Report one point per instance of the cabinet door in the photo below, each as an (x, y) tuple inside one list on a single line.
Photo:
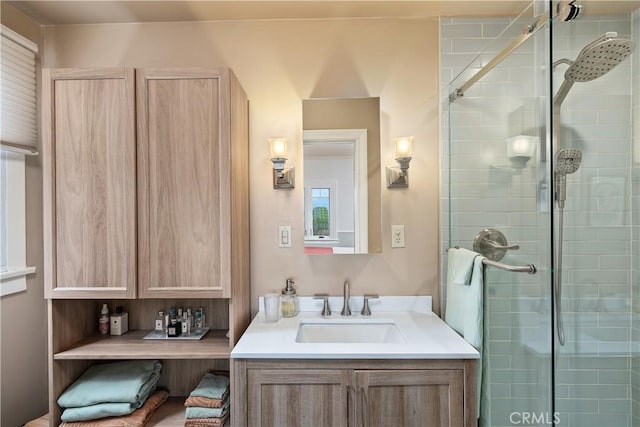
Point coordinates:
[(297, 398), (409, 398), (183, 214), (89, 183)]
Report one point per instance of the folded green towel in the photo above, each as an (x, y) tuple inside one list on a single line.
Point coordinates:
[(199, 412), (211, 386), (102, 410), (116, 382), (94, 412)]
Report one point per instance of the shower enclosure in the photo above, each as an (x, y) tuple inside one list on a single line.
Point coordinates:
[(555, 167)]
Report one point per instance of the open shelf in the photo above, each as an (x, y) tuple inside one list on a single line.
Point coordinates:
[(215, 345), (169, 414)]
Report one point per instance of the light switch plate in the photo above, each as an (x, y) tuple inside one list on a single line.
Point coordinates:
[(284, 236), (397, 236)]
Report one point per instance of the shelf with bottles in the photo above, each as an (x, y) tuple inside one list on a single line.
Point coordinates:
[(77, 321), (214, 345)]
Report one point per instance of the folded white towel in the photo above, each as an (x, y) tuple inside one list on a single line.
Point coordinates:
[(464, 309)]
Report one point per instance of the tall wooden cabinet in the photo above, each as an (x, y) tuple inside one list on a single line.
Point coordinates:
[(89, 155), (146, 206), (192, 197)]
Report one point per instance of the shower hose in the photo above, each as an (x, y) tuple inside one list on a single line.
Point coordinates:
[(558, 278)]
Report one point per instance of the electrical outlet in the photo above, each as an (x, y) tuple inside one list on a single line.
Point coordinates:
[(284, 236), (397, 236)]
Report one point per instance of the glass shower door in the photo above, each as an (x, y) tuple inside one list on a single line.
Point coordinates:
[(497, 177), (509, 148), (596, 379)]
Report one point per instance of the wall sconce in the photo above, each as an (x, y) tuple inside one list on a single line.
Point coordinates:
[(282, 178), (520, 149), (398, 177)]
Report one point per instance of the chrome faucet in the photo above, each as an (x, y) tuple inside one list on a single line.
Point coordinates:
[(346, 311)]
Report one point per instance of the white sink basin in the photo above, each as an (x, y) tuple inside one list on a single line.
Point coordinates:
[(349, 332)]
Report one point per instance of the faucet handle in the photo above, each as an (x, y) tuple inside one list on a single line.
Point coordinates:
[(365, 308), (326, 311)]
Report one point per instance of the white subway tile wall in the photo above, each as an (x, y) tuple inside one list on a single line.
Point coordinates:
[(594, 371)]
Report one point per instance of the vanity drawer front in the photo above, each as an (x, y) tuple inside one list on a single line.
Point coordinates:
[(292, 397), (410, 397)]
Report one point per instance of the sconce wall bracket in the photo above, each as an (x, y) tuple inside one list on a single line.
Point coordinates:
[(397, 178), (284, 178)]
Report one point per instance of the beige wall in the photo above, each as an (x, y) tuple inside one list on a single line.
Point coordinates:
[(23, 319), (280, 63)]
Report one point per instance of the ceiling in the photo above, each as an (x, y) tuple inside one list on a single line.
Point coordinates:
[(70, 12), (86, 12)]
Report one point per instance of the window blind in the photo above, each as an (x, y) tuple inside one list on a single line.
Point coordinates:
[(18, 117)]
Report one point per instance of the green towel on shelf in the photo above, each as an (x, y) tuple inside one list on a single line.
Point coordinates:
[(199, 412), (102, 410), (211, 386), (94, 412), (116, 382)]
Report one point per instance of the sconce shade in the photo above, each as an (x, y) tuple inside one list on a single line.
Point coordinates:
[(278, 148), (402, 146), (520, 149)]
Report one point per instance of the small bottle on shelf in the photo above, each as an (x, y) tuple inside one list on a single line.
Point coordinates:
[(198, 321), (160, 326), (203, 319), (103, 321), (186, 323), (190, 318)]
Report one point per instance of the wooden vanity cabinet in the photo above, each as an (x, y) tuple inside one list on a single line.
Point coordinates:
[(372, 393)]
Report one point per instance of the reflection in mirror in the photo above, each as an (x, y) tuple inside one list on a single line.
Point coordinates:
[(335, 190), (341, 150)]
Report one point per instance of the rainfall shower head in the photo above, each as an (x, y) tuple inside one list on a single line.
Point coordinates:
[(567, 161), (599, 57), (594, 60)]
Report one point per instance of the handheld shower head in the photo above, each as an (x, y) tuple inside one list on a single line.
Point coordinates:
[(567, 161), (599, 57)]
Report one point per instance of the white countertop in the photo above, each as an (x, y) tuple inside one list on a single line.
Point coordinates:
[(426, 335)]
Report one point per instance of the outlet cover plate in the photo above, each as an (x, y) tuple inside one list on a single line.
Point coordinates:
[(397, 236)]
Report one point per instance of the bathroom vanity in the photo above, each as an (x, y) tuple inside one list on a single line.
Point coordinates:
[(400, 366)]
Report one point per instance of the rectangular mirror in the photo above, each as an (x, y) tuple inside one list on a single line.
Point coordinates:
[(341, 150)]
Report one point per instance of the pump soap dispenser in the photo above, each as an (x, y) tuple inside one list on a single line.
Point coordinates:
[(288, 300)]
